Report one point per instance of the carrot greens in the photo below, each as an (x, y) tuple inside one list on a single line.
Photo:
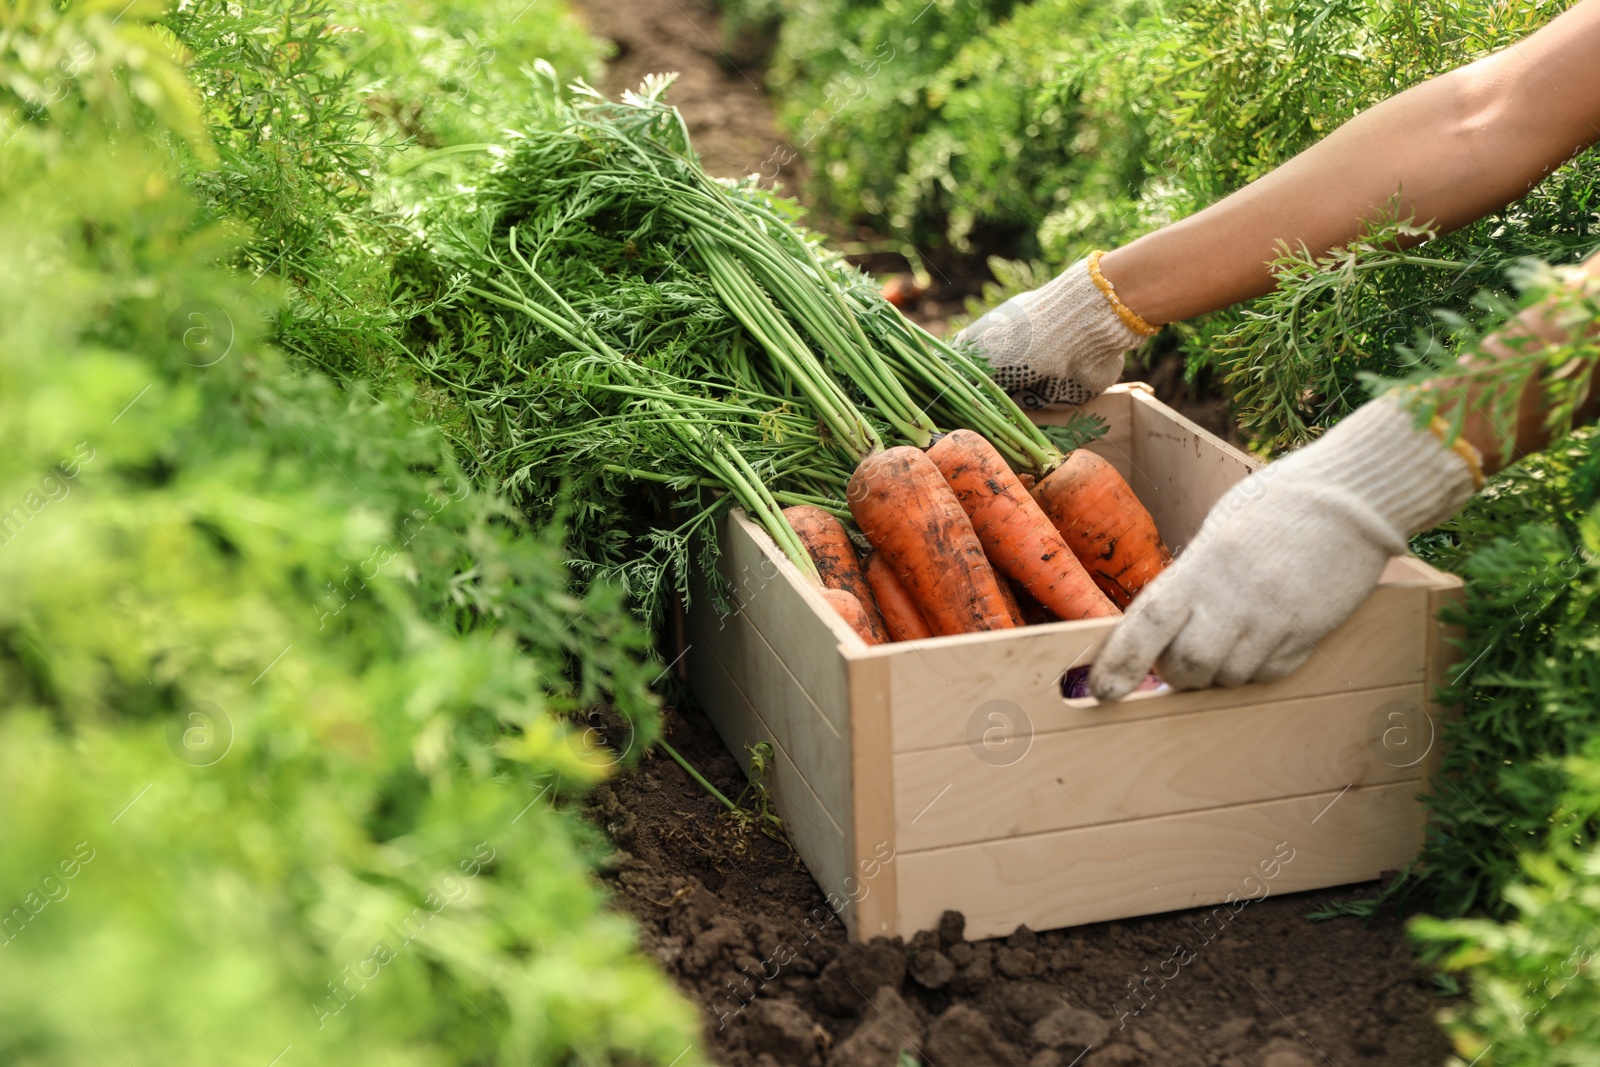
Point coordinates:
[(653, 346)]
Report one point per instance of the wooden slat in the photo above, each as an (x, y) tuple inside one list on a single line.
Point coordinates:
[(1180, 470), (794, 719), (1130, 770), (1114, 405), (1409, 570), (772, 595), (1444, 652), (816, 834), (938, 685), (871, 834), (1178, 861), (846, 721)]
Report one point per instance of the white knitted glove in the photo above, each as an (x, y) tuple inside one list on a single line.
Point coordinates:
[(1062, 343), (1287, 555)]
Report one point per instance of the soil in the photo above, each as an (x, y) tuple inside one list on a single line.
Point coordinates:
[(732, 915), (718, 90), (737, 922)]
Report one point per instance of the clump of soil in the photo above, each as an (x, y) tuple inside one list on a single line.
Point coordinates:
[(742, 928)]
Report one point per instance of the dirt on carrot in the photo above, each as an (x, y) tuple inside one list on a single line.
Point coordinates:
[(830, 548), (901, 615), (901, 502), (1105, 525), (851, 611), (1017, 536)]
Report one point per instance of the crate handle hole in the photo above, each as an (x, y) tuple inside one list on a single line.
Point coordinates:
[(1074, 684)]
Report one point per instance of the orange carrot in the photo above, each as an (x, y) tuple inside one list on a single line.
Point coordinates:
[(903, 505), (1107, 528), (838, 565), (851, 611), (1020, 540), (900, 614)]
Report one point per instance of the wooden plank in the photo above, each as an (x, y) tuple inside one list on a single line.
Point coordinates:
[(1409, 570), (1178, 861), (871, 833), (1179, 469), (939, 686), (806, 633), (1131, 770), (795, 720), (816, 835)]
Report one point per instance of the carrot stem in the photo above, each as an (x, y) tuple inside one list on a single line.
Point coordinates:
[(697, 776)]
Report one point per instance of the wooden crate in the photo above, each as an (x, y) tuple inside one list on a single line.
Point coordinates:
[(952, 773)]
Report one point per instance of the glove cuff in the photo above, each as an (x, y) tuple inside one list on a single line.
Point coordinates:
[(1074, 301), (1130, 318), (1404, 474), (1063, 342), (1072, 313)]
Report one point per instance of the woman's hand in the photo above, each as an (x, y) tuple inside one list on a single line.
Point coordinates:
[(1062, 343), (1287, 555)]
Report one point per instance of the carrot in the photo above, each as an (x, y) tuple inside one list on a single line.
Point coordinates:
[(1107, 528), (1009, 594), (901, 502), (1020, 540), (851, 611), (901, 616), (838, 565), (902, 290)]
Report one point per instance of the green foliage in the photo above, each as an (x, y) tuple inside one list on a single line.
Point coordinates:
[(286, 699), (993, 156), (858, 86), (453, 74), (1535, 987), (1285, 75), (1496, 360), (331, 122), (1524, 695), (621, 330), (1065, 126)]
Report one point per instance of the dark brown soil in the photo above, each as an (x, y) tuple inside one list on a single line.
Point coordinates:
[(736, 920), (730, 119), (744, 931)]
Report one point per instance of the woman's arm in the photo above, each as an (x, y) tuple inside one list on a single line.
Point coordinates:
[(1454, 148)]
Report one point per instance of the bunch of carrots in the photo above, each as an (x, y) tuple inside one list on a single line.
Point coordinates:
[(961, 543), (659, 346)]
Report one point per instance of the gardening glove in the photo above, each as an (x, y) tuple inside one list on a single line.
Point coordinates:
[(1288, 554), (1061, 343)]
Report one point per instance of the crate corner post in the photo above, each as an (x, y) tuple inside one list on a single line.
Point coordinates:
[(872, 844)]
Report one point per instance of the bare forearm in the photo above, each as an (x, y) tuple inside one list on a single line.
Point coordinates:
[(1453, 148)]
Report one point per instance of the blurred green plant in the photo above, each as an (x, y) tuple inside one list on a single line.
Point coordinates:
[(857, 87), (1535, 987), (287, 701), (1523, 695)]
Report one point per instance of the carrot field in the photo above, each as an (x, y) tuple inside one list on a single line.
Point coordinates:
[(380, 379)]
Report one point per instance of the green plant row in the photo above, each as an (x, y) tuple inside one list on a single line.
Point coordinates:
[(289, 705)]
